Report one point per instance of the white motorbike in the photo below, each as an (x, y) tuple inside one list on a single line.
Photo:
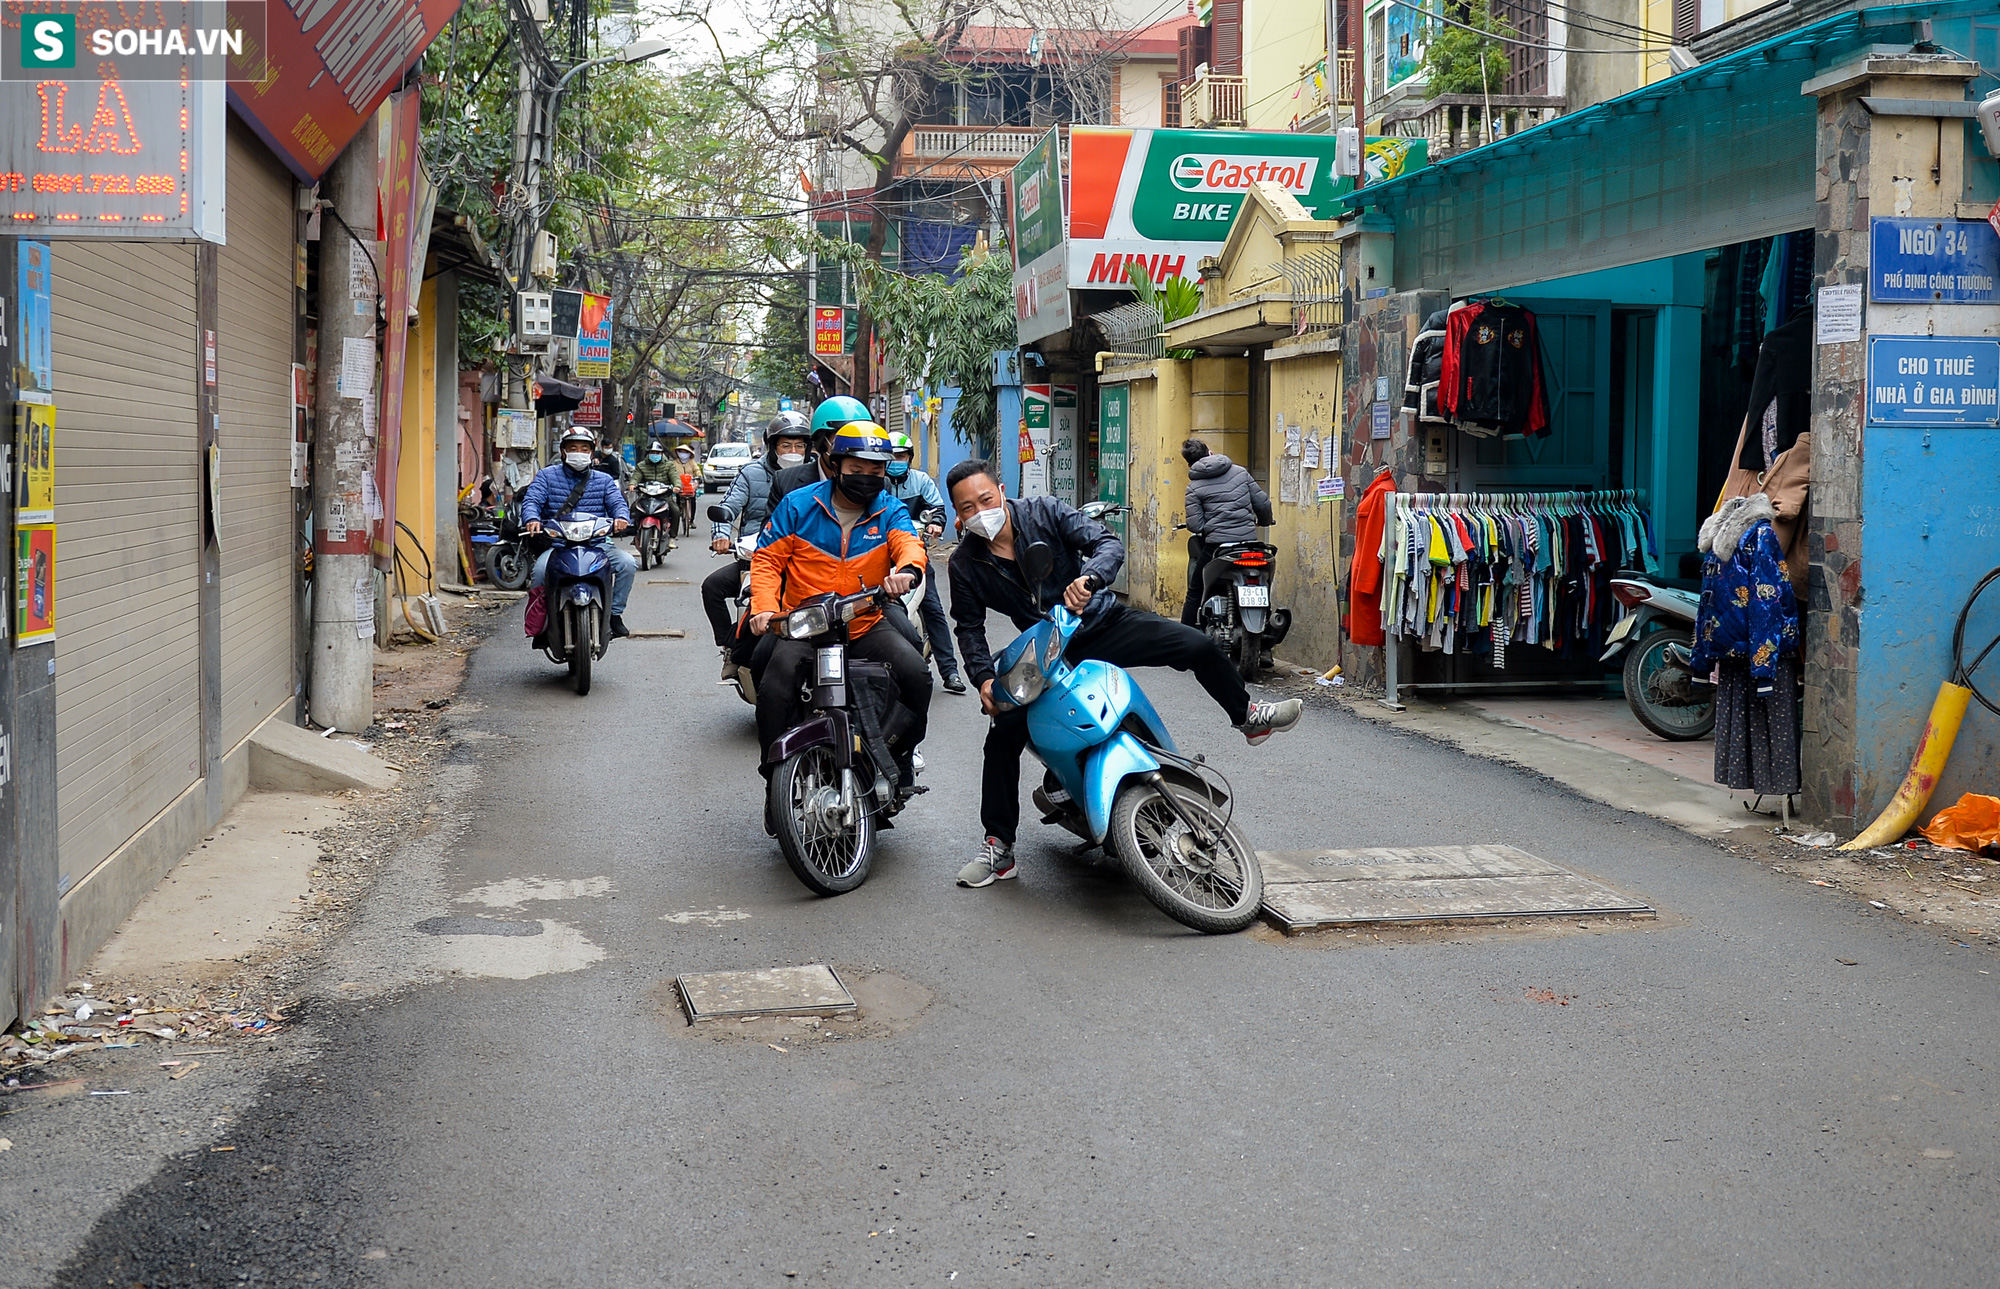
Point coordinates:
[(1657, 636)]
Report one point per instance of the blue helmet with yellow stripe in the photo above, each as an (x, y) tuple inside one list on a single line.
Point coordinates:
[(862, 440)]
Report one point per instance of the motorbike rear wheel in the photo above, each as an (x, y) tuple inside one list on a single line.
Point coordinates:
[(830, 856), (1249, 652), (1215, 892), (508, 566), (580, 637), (1647, 678)]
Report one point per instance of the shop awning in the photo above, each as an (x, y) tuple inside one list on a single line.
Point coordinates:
[(1720, 153)]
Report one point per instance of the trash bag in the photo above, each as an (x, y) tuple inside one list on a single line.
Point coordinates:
[(1972, 823), (537, 615)]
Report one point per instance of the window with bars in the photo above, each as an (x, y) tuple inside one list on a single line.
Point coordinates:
[(1527, 63)]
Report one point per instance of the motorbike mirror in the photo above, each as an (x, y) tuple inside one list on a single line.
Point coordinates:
[(718, 515), (1037, 561)]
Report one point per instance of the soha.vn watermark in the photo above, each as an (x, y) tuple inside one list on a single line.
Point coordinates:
[(132, 40)]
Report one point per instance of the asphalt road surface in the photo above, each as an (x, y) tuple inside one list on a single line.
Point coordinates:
[(1055, 1084)]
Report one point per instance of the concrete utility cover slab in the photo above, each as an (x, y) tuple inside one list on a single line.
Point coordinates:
[(775, 991), (1304, 889)]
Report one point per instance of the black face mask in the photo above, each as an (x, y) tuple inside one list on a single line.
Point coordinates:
[(861, 489)]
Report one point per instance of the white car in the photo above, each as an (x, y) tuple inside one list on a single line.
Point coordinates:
[(719, 471)]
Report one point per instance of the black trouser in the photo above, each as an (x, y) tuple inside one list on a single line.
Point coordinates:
[(936, 626), (792, 663), (1197, 558), (1131, 638), (718, 599)]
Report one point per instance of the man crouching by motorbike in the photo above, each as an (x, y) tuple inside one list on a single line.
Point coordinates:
[(840, 535)]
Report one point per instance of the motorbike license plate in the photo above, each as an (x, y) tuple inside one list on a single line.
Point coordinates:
[(1254, 597), (832, 664), (1621, 630)]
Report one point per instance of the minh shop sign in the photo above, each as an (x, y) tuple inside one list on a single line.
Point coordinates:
[(1165, 198)]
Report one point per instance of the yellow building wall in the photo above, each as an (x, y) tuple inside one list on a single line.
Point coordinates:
[(1311, 577), (1155, 564), (416, 468), (1279, 37)]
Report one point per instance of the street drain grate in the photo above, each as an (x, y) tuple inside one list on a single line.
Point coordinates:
[(476, 926), (1306, 889), (774, 991)]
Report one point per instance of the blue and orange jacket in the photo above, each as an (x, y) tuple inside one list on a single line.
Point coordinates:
[(800, 553)]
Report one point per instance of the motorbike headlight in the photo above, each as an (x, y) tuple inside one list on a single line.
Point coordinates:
[(1024, 682), (804, 624), (579, 530)]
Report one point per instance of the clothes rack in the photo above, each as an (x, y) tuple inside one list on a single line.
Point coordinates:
[(1484, 572)]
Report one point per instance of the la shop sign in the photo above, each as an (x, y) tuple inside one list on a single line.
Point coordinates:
[(128, 160)]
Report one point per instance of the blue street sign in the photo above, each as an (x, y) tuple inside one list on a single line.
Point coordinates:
[(1933, 380), (1933, 261), (784, 404)]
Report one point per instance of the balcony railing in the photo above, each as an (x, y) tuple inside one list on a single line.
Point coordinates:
[(972, 142), (1313, 77), (1213, 102), (1460, 122)]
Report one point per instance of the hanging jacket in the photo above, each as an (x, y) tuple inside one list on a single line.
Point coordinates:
[(1364, 572), (1491, 373), (1420, 387), (1224, 503), (1747, 608)]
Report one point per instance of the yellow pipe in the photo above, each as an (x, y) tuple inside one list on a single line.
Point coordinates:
[(1933, 750)]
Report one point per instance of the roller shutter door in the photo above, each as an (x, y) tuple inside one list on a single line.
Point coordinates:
[(128, 556), (254, 357)]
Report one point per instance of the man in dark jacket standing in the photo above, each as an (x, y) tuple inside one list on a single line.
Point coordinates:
[(986, 574), (1224, 505)]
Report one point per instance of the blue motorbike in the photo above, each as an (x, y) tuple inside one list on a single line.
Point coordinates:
[(1116, 780), (577, 596)]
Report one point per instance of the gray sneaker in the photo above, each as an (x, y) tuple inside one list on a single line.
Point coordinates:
[(1266, 719), (728, 667), (995, 864)]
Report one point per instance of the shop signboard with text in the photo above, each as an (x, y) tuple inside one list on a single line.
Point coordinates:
[(593, 337), (1163, 199), (1114, 408), (1041, 293), (829, 331)]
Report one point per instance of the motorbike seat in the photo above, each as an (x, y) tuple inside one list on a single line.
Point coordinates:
[(1675, 583)]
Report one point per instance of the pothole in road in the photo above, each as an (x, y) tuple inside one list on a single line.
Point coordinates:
[(477, 926), (884, 1005)]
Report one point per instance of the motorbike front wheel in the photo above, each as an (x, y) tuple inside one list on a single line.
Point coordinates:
[(645, 548), (828, 853), (508, 566), (1662, 695), (1214, 890), (580, 637)]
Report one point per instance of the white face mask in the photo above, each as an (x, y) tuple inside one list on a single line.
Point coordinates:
[(791, 458), (576, 460), (988, 523)]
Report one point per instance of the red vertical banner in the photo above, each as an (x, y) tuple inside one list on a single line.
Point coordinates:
[(398, 201)]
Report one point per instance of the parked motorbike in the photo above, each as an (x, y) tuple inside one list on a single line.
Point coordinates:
[(1657, 637), (498, 545), (834, 777), (1238, 615), (1116, 780), (655, 512), (576, 596)]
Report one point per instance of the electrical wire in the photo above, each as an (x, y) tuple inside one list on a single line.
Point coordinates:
[(1509, 40), (1961, 674)]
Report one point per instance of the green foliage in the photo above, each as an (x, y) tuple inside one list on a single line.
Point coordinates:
[(1178, 299), (1457, 61), (939, 331)]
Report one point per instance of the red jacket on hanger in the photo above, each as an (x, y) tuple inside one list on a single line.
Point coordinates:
[(1364, 572)]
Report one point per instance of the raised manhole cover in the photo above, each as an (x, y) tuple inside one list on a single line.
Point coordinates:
[(773, 991), (476, 926), (1305, 889)]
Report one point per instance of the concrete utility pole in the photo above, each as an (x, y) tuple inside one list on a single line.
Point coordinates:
[(343, 657)]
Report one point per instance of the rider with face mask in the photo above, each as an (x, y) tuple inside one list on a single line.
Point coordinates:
[(830, 415), (840, 535), (747, 504), (919, 492), (575, 487)]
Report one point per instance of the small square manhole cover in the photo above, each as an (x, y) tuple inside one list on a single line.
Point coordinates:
[(1304, 889), (774, 991)]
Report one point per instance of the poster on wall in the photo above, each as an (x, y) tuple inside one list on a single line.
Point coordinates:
[(593, 338), (514, 427), (829, 331), (35, 463), (1037, 418), (34, 365), (590, 412), (34, 583), (300, 402), (1114, 406), (1062, 445)]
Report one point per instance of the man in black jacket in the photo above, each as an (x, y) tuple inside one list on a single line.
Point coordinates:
[(985, 575)]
